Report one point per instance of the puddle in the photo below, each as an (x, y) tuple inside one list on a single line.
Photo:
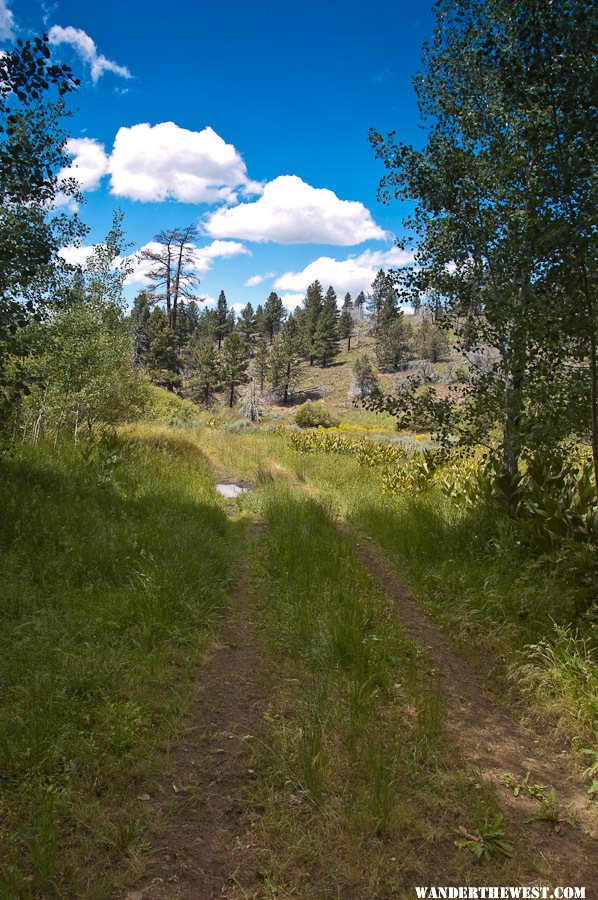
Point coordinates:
[(230, 491)]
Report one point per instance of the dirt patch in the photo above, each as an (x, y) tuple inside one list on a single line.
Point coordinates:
[(201, 806), (489, 736)]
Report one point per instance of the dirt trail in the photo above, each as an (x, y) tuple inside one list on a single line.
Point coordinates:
[(200, 810), (489, 736)]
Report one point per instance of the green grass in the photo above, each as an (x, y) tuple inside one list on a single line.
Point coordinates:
[(115, 565), (361, 790), (517, 613)]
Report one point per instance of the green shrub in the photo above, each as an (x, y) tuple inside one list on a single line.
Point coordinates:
[(315, 415), (166, 408)]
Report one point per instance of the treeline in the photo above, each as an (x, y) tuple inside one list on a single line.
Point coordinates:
[(210, 354)]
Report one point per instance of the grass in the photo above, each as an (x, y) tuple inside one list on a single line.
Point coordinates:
[(361, 791), (499, 602), (107, 606)]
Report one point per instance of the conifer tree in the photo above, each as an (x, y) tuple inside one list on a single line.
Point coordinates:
[(247, 328), (364, 382), (233, 365), (222, 321), (162, 353), (205, 376), (274, 313), (360, 304), (348, 302), (261, 362), (285, 359), (326, 337), (346, 326), (308, 319)]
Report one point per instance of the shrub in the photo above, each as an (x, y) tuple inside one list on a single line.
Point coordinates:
[(315, 415)]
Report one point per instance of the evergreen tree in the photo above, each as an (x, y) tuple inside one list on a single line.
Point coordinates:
[(393, 343), (326, 337), (204, 380), (285, 359), (274, 313), (308, 317), (431, 340), (222, 321), (186, 322), (137, 327), (360, 304), (247, 328), (348, 302), (261, 363), (364, 382), (162, 356), (233, 365), (382, 296), (346, 326)]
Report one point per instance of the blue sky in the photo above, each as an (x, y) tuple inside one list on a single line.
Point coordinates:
[(249, 120)]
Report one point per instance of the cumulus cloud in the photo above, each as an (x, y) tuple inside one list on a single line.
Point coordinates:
[(203, 258), (76, 256), (89, 163), (354, 274), (7, 22), (165, 161), (85, 47), (258, 279), (291, 301), (293, 212)]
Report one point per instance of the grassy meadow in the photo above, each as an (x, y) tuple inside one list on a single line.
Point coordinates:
[(107, 609)]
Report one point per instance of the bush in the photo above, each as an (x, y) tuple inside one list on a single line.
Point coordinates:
[(167, 408), (315, 415)]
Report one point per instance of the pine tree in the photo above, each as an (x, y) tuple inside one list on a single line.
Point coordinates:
[(285, 359), (233, 365), (222, 323), (346, 326), (274, 313), (360, 304), (308, 317), (162, 353), (431, 340), (261, 362), (364, 382), (348, 302), (247, 328), (326, 338), (205, 373), (137, 327), (383, 295), (393, 343)]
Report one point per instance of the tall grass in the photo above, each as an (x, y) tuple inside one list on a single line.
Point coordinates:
[(498, 600), (115, 564), (364, 793)]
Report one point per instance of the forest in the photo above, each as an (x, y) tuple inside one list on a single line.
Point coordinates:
[(375, 668)]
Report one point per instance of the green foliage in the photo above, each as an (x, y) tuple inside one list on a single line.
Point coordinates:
[(107, 609), (315, 415), (31, 232), (504, 216), (364, 382), (233, 365), (165, 408)]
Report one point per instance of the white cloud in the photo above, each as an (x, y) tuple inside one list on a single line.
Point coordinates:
[(293, 212), (203, 258), (165, 161), (76, 256), (89, 163), (258, 279), (292, 301), (354, 274), (87, 50), (7, 22)]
